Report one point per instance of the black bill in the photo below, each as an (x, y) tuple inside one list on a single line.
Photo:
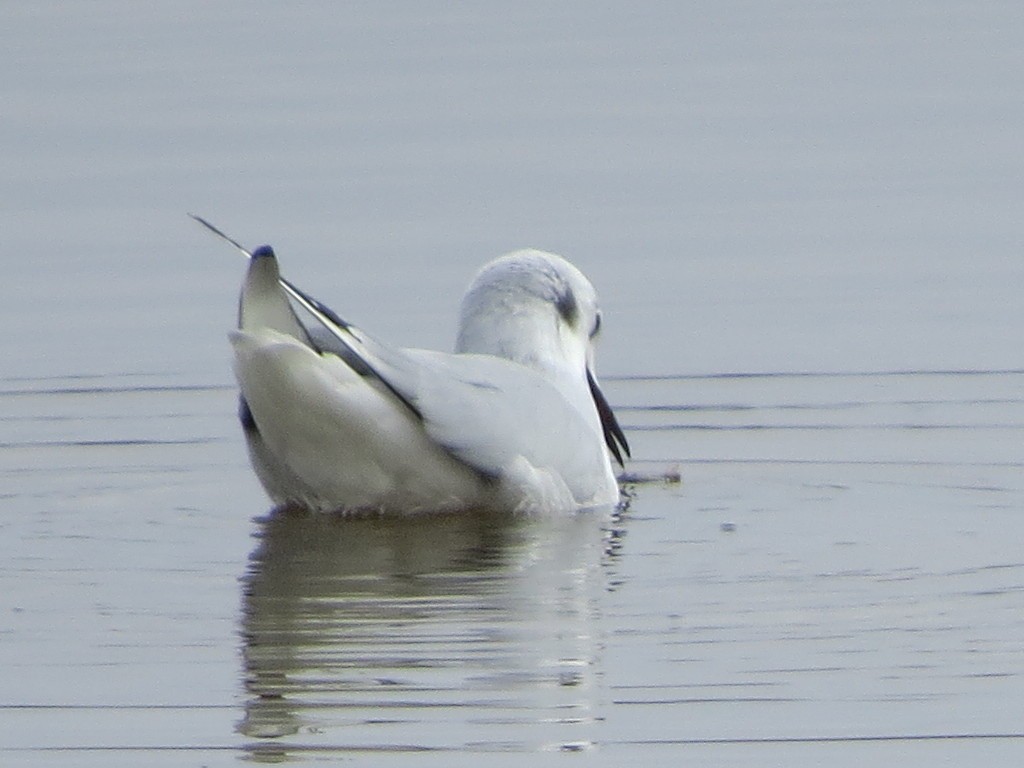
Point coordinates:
[(613, 435)]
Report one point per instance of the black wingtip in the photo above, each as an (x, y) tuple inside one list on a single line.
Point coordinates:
[(220, 234), (263, 252), (246, 417)]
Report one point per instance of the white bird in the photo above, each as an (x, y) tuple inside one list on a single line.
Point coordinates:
[(514, 419)]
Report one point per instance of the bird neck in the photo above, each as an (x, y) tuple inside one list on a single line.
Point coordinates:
[(533, 339)]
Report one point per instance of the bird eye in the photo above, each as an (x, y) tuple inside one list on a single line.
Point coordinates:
[(597, 325)]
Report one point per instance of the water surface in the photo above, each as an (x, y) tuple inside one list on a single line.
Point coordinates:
[(836, 575)]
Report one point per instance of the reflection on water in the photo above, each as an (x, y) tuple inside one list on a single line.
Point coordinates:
[(460, 630), (838, 571)]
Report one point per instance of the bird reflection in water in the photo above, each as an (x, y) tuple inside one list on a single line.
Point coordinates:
[(436, 631)]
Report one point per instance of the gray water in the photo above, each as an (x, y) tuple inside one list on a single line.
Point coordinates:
[(804, 222)]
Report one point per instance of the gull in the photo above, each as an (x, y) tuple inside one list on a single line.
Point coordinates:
[(514, 419)]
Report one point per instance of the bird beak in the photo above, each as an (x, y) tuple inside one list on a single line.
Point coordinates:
[(613, 435)]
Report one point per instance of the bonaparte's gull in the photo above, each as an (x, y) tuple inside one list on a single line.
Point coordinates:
[(514, 419)]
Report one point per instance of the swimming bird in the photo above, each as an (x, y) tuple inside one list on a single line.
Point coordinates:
[(513, 420)]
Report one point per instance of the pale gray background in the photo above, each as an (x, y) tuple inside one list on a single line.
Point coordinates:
[(827, 188)]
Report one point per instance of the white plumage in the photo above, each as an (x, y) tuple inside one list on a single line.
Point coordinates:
[(514, 419)]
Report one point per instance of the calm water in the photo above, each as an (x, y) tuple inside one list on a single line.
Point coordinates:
[(805, 224), (838, 575)]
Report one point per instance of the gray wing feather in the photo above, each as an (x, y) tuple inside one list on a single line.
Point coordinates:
[(485, 411)]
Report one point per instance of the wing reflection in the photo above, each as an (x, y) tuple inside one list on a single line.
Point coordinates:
[(435, 632)]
